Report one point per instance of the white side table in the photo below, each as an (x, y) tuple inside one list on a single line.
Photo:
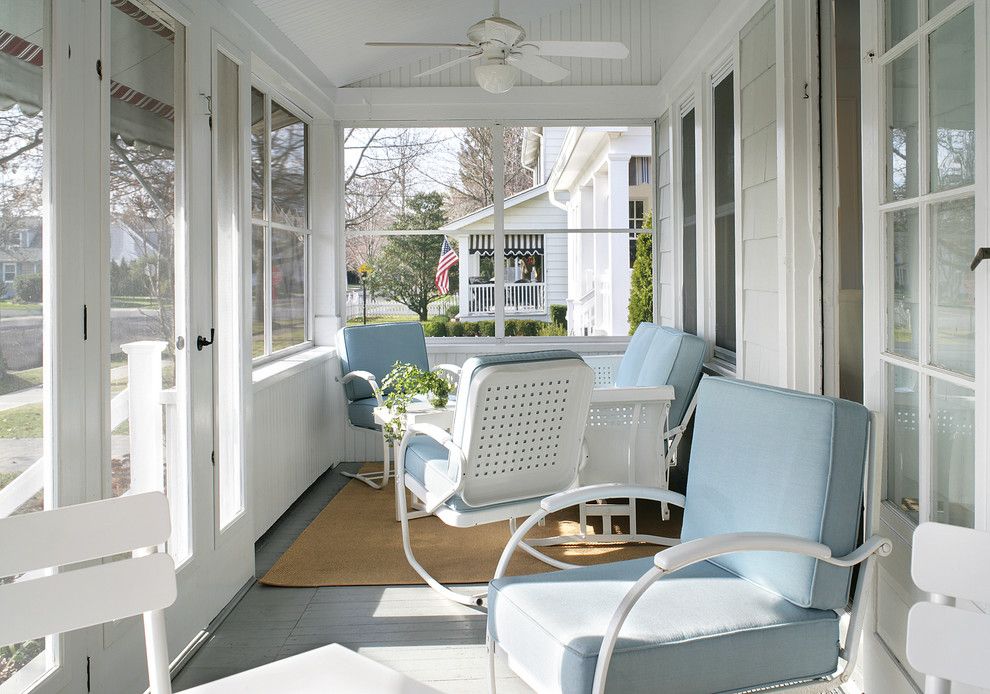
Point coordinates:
[(416, 413)]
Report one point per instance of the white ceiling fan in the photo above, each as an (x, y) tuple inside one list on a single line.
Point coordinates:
[(501, 50)]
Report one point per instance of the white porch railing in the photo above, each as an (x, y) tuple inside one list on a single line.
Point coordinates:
[(152, 436), (380, 308), (520, 297)]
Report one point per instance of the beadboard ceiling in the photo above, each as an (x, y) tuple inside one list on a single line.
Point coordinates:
[(331, 33)]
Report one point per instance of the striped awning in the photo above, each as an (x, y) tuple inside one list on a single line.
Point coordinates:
[(516, 245)]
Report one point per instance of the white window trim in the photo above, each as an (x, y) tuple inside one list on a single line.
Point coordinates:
[(272, 93)]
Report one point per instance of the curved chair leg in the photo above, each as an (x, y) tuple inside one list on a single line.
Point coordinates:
[(376, 480), (490, 647), (476, 600)]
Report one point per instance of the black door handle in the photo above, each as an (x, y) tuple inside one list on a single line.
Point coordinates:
[(202, 342), (981, 255)]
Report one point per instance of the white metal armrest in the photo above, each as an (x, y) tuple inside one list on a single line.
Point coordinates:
[(450, 368), (438, 434), (634, 394), (612, 490), (694, 551), (368, 377), (688, 553)]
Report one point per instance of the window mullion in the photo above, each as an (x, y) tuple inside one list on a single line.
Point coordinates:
[(268, 225)]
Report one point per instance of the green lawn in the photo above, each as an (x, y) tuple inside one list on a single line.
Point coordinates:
[(24, 422), (383, 319), (13, 381), (133, 302), (18, 307)]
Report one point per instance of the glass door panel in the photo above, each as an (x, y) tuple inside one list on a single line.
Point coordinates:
[(147, 439), (952, 103), (953, 452), (953, 311), (903, 308), (25, 473), (902, 126)]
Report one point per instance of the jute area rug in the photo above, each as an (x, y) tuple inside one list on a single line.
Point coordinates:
[(356, 541)]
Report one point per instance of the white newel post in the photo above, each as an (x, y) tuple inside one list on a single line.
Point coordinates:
[(144, 386)]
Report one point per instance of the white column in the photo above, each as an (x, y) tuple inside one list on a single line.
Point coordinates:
[(618, 244), (144, 390), (325, 246), (465, 271)]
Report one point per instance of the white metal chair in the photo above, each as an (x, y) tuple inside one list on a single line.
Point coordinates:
[(752, 598), (944, 641), (367, 353), (40, 602), (640, 409), (517, 437)]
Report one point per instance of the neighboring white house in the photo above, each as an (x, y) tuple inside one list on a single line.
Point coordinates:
[(586, 178)]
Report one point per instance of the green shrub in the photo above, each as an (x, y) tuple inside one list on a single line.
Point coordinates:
[(435, 328), (641, 283), (455, 329), (453, 311), (558, 314), (528, 328), (442, 318), (510, 327), (486, 328), (470, 329), (27, 288), (552, 330)]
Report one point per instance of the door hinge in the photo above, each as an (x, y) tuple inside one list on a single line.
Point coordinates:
[(99, 69), (87, 675), (213, 458), (209, 107), (85, 323)]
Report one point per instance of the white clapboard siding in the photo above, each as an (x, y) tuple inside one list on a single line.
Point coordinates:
[(295, 436), (663, 239), (757, 84), (636, 23)]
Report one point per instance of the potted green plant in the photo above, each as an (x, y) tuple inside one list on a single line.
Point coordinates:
[(402, 384)]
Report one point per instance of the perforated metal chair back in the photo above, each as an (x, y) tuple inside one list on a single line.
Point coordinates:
[(520, 422)]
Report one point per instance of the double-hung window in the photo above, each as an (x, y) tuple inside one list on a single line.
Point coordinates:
[(280, 302)]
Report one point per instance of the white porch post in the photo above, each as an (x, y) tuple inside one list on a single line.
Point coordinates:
[(144, 387), (466, 271), (600, 257), (618, 244)]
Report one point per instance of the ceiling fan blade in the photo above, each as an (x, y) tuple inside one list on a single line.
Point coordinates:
[(448, 64), (538, 67), (582, 49), (401, 44)]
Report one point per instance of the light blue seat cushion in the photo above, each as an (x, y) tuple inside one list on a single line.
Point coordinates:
[(765, 459), (361, 413), (659, 356), (376, 348), (428, 463), (697, 631)]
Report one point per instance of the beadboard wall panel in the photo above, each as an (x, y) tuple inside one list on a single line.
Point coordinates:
[(295, 437)]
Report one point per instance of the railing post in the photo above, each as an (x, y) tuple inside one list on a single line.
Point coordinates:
[(144, 385)]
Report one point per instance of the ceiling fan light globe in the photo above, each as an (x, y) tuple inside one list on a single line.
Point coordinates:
[(496, 77)]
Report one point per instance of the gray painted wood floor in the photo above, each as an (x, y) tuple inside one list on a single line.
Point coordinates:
[(409, 628)]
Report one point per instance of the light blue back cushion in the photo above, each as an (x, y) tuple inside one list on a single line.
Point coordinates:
[(770, 460), (674, 358), (376, 348), (632, 361)]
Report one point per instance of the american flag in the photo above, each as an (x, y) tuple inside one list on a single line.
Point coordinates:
[(448, 259)]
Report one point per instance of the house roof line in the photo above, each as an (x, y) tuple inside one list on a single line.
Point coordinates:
[(488, 211)]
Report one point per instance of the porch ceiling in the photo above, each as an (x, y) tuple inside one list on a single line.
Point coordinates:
[(332, 34)]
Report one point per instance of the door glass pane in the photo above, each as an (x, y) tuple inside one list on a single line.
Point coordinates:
[(952, 103), (953, 452), (257, 290), (902, 440), (257, 154), (146, 451), (901, 79), (953, 321), (226, 119), (725, 221), (288, 163), (936, 6), (904, 310), (23, 469), (288, 283), (901, 19), (689, 231)]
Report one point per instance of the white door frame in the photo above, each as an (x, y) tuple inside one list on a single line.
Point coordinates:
[(884, 669)]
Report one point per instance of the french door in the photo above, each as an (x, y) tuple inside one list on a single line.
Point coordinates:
[(925, 120)]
